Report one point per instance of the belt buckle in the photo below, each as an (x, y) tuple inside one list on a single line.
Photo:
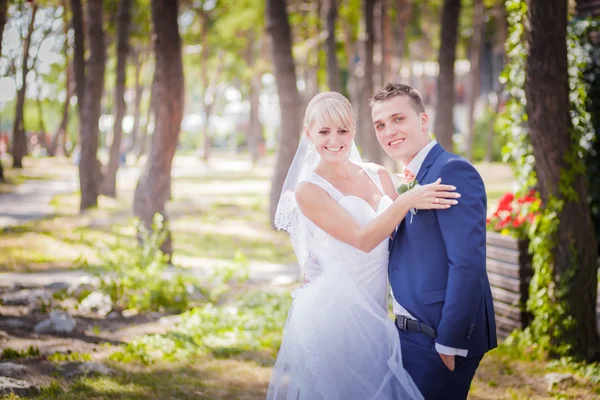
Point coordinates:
[(404, 323)]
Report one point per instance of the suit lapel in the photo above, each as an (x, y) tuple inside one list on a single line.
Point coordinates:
[(433, 154)]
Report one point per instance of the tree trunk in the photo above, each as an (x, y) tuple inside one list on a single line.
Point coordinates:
[(575, 255), (444, 121), (123, 27), (43, 131), (59, 141), (3, 9), (351, 50), (387, 52), (371, 149), (334, 80), (151, 113), (499, 58), (206, 130), (279, 30), (154, 187), (89, 171), (58, 145), (403, 15), (476, 49), (19, 145), (139, 92), (255, 136), (79, 55)]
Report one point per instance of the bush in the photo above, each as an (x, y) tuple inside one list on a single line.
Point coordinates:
[(134, 278), (255, 322)]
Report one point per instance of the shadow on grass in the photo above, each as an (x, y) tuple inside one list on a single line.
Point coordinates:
[(200, 378)]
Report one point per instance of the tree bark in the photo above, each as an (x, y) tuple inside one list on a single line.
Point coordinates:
[(19, 145), (444, 121), (123, 28), (59, 140), (334, 80), (403, 15), (139, 92), (43, 131), (151, 113), (476, 49), (3, 10), (154, 187), (387, 52), (279, 30), (371, 149), (78, 54), (255, 136), (575, 255), (351, 50), (89, 168)]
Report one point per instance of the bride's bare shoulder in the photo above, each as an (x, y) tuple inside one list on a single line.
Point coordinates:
[(387, 179), (309, 194)]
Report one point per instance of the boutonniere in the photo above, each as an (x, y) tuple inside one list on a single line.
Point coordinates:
[(405, 187)]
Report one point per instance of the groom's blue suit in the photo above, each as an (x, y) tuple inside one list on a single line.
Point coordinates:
[(437, 273)]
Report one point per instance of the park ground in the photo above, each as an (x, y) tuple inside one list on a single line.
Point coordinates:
[(223, 240)]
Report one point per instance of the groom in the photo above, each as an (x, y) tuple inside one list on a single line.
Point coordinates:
[(442, 297)]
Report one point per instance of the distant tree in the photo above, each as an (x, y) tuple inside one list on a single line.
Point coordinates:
[(334, 79), (19, 141), (279, 30), (3, 9), (123, 29), (475, 73), (444, 121), (154, 186), (371, 149), (90, 176), (59, 140)]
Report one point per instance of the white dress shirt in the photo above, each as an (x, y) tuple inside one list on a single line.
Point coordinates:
[(414, 166)]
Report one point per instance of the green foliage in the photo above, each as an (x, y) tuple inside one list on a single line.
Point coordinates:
[(487, 121), (255, 322), (12, 354), (69, 356), (552, 325), (135, 278)]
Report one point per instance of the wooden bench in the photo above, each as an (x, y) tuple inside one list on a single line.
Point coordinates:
[(509, 271)]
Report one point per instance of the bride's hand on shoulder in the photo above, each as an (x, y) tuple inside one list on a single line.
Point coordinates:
[(433, 196)]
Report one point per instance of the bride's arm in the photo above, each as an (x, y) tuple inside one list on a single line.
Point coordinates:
[(323, 211)]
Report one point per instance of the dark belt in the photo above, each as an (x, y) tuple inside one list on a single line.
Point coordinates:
[(411, 325)]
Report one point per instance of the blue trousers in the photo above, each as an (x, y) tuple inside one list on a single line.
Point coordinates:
[(430, 374)]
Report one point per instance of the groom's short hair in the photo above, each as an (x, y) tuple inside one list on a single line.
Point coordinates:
[(392, 90)]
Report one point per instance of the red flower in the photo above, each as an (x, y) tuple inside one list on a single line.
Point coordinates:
[(518, 221), (506, 200)]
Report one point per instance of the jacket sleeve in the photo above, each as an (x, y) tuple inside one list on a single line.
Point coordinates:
[(464, 234)]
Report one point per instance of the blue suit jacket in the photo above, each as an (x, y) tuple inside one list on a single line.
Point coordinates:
[(437, 262)]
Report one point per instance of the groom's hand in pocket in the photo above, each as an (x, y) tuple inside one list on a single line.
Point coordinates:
[(448, 361)]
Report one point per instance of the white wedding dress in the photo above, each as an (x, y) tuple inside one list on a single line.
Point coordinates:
[(339, 342)]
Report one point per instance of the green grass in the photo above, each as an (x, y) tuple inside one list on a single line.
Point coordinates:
[(11, 354), (199, 378)]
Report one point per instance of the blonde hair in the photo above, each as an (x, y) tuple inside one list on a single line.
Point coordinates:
[(329, 106)]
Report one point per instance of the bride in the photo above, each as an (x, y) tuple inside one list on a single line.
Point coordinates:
[(338, 342)]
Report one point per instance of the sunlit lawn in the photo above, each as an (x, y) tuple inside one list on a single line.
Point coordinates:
[(218, 215)]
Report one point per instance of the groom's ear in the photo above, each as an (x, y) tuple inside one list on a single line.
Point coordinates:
[(424, 121)]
